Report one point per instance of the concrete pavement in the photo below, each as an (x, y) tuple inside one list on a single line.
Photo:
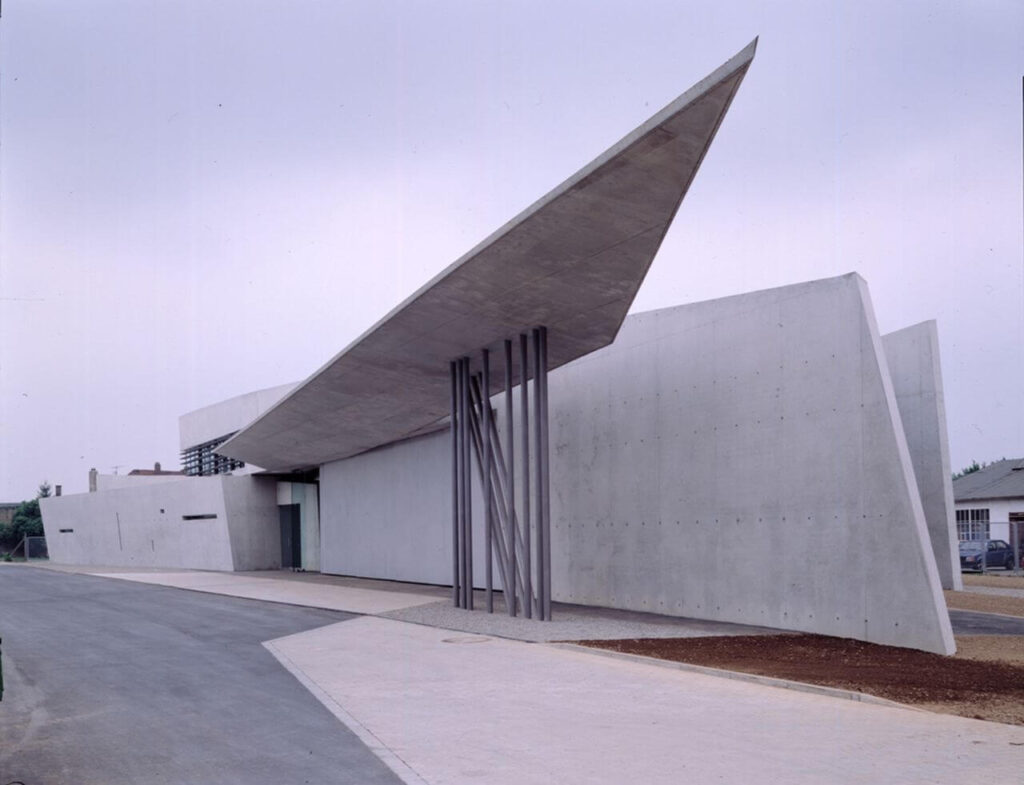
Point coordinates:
[(443, 706), (458, 708), (315, 595)]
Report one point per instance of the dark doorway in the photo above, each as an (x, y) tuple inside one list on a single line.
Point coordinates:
[(291, 537)]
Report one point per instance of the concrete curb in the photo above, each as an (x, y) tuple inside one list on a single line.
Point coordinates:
[(386, 755), (753, 678)]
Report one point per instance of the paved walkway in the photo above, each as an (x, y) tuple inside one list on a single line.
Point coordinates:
[(444, 706), (292, 592), (457, 708)]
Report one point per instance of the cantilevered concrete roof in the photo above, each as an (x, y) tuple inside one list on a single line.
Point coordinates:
[(573, 262)]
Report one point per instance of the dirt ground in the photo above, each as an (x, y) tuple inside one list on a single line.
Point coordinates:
[(984, 680), (996, 580)]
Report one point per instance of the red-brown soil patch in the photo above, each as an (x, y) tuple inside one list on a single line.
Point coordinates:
[(986, 683)]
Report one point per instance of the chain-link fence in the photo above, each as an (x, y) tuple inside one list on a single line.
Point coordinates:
[(30, 548)]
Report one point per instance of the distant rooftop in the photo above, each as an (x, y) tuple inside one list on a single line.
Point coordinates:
[(1000, 480)]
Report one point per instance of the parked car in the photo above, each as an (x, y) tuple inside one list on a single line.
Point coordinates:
[(985, 554)]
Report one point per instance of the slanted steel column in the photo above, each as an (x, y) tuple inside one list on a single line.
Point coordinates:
[(544, 517), (456, 506), (485, 396), (524, 429), (510, 502)]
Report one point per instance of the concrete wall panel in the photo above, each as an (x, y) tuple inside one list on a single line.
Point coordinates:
[(913, 358), (224, 417), (253, 522), (145, 525), (387, 513), (743, 460), (142, 526)]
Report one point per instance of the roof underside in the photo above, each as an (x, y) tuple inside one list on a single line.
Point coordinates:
[(572, 262)]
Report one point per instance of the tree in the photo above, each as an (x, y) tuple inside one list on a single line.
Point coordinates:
[(974, 467), (27, 520)]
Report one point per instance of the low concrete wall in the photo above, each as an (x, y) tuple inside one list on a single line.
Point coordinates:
[(141, 526), (913, 357), (155, 525)]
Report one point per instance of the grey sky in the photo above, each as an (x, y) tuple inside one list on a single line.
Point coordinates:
[(202, 198)]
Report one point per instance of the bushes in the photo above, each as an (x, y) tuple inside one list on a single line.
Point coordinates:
[(27, 521)]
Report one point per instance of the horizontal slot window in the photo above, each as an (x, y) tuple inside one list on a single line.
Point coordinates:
[(204, 517)]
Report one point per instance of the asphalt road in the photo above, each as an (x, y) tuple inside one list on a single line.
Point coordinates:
[(113, 682), (975, 623)]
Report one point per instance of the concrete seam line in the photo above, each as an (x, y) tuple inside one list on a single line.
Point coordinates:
[(386, 755), (753, 678)]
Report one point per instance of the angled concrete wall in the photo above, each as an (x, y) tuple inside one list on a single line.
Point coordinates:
[(741, 459), (152, 525), (913, 357), (254, 528)]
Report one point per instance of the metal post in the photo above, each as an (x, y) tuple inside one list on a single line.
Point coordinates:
[(455, 484), (524, 429), (485, 362), (463, 474), (510, 503), (537, 419), (462, 487), (1015, 533), (544, 518), (468, 490)]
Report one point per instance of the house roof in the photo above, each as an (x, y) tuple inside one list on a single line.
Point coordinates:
[(571, 262), (1000, 480)]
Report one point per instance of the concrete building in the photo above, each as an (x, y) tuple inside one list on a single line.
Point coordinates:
[(507, 428)]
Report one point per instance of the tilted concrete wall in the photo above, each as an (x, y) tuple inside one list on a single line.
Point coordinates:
[(254, 526), (144, 526), (741, 459), (913, 357)]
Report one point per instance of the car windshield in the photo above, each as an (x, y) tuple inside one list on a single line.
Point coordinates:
[(968, 545)]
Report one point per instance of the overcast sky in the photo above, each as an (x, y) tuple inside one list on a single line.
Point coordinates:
[(203, 198)]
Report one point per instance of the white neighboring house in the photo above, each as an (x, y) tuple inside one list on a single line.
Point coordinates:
[(989, 500)]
